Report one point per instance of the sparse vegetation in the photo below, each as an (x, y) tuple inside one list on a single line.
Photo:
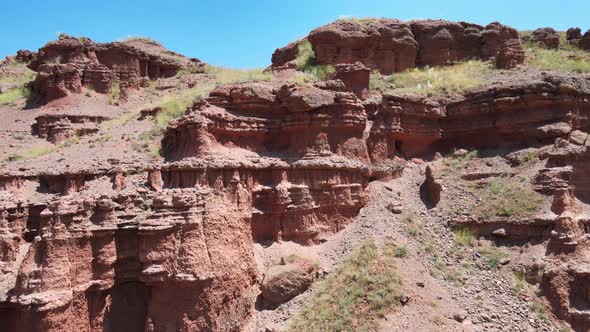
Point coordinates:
[(225, 75), (42, 149), (360, 291), (492, 256), (568, 58), (464, 237), (538, 308), (443, 80), (115, 94), (306, 62), (454, 164), (429, 247), (526, 158), (507, 197), (401, 251), (518, 284)]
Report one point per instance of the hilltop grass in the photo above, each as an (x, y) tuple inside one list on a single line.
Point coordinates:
[(362, 290), (442, 80)]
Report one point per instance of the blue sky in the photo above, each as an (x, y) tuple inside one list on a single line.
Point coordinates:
[(245, 33)]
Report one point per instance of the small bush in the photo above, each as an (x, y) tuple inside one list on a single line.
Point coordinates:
[(401, 251), (518, 283), (464, 237), (306, 62), (429, 247), (443, 80), (526, 158), (538, 308), (362, 289)]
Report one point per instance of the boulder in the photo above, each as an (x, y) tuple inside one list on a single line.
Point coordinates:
[(573, 34), (584, 42), (283, 282), (547, 37)]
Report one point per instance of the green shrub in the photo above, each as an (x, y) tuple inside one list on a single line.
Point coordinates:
[(464, 237), (306, 62), (401, 251), (362, 289), (17, 81)]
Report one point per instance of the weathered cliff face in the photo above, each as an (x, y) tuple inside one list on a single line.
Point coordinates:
[(299, 150), (115, 247), (101, 262), (389, 45), (526, 112), (66, 65)]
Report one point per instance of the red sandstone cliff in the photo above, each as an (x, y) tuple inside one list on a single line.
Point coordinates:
[(136, 245)]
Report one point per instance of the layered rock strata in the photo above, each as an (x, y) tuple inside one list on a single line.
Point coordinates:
[(66, 65), (389, 45), (112, 247)]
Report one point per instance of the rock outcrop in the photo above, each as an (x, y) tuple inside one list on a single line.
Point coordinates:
[(547, 37), (66, 65), (389, 45), (584, 42), (57, 128), (573, 34)]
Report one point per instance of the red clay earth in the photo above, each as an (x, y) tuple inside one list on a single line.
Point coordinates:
[(98, 234)]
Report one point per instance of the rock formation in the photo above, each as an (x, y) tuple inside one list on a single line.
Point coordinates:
[(584, 42), (573, 34), (547, 37), (66, 65), (389, 46), (168, 244)]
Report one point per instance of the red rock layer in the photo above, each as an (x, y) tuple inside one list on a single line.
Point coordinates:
[(68, 64), (524, 113), (171, 248), (57, 128), (390, 45), (300, 149)]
